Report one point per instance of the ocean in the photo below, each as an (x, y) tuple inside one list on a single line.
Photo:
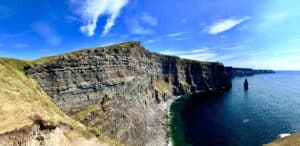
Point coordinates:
[(270, 107)]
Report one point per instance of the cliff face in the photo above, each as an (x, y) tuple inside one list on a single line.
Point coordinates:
[(29, 117), (123, 90), (240, 72)]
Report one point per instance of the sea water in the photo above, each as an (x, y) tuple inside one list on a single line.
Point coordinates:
[(270, 108)]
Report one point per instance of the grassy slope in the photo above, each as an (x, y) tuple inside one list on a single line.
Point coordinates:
[(293, 140), (22, 98)]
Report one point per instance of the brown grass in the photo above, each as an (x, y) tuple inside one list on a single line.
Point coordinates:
[(86, 112), (22, 98), (162, 86), (293, 140)]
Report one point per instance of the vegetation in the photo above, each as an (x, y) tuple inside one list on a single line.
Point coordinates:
[(16, 63), (292, 140), (44, 60), (162, 86), (126, 44), (85, 113), (22, 99), (196, 61)]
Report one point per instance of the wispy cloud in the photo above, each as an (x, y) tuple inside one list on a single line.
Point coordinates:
[(47, 32), (197, 54), (224, 25), (203, 54), (21, 45), (146, 18), (152, 40), (136, 27), (179, 36), (90, 11), (142, 25)]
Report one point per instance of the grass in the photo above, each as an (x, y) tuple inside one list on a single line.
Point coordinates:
[(126, 44), (86, 112), (44, 60), (16, 63), (196, 61), (162, 86), (293, 140), (22, 99)]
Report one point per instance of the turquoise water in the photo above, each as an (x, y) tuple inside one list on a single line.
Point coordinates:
[(270, 107)]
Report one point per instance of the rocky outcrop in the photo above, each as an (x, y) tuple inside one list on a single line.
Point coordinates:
[(240, 72), (123, 90), (38, 134), (44, 133)]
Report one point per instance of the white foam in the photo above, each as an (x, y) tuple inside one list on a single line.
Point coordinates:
[(282, 135)]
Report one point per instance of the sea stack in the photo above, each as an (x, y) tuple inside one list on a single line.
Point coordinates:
[(246, 84)]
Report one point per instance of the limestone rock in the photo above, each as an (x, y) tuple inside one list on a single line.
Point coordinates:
[(128, 87)]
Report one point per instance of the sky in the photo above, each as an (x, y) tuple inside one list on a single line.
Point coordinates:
[(261, 34)]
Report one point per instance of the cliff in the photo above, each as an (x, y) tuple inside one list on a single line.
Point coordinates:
[(124, 90), (240, 72), (29, 117)]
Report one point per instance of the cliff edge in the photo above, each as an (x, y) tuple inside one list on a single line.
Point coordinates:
[(123, 90), (29, 117)]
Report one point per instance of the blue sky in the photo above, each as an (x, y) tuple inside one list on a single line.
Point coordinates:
[(248, 33)]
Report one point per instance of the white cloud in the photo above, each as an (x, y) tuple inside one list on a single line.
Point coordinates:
[(182, 38), (203, 54), (198, 54), (136, 27), (21, 45), (142, 25), (90, 10), (146, 18), (225, 25), (47, 32), (177, 34), (152, 40)]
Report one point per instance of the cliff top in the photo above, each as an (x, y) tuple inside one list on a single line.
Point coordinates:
[(127, 47)]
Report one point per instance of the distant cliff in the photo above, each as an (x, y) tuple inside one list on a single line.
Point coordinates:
[(239, 72), (124, 90)]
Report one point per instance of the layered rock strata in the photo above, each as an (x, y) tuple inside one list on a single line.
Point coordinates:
[(123, 90)]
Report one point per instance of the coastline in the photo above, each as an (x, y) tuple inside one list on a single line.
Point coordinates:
[(175, 135), (175, 131)]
